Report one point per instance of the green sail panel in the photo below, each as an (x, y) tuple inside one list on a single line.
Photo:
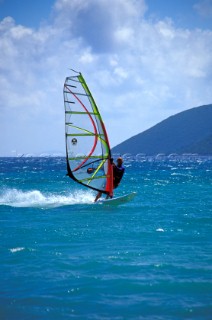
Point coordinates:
[(87, 146)]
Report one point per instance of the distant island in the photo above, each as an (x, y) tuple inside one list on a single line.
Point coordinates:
[(189, 131)]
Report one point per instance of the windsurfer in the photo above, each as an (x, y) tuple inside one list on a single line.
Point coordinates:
[(118, 172)]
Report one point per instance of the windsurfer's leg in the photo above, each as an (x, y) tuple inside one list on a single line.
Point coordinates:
[(99, 194), (109, 197)]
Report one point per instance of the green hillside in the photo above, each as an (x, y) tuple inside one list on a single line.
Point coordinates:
[(189, 131)]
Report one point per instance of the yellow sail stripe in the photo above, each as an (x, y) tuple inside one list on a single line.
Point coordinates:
[(97, 169)]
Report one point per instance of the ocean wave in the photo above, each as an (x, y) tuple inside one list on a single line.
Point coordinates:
[(35, 198)]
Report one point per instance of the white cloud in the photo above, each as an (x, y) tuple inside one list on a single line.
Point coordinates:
[(121, 73), (98, 22), (124, 35), (87, 57), (139, 71)]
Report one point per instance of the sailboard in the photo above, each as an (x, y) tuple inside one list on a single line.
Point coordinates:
[(119, 200), (88, 151)]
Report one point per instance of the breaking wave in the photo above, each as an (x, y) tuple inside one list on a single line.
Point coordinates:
[(35, 198)]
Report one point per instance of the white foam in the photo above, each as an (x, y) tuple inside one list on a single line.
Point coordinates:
[(160, 230), (35, 198), (13, 250)]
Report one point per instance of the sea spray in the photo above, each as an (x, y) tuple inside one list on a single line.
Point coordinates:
[(35, 198)]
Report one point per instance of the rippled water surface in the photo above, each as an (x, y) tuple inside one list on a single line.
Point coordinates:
[(62, 256)]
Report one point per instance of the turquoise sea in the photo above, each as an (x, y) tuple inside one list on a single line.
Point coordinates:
[(64, 257)]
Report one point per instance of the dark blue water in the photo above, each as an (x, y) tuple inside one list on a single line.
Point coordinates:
[(62, 256)]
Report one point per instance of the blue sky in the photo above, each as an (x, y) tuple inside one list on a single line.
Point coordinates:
[(27, 12), (144, 60)]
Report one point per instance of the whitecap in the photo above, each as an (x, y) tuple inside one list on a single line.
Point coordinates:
[(35, 198), (13, 250), (160, 230)]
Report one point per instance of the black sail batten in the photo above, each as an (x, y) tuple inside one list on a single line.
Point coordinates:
[(70, 174)]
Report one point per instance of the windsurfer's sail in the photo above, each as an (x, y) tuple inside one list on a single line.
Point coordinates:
[(87, 146)]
